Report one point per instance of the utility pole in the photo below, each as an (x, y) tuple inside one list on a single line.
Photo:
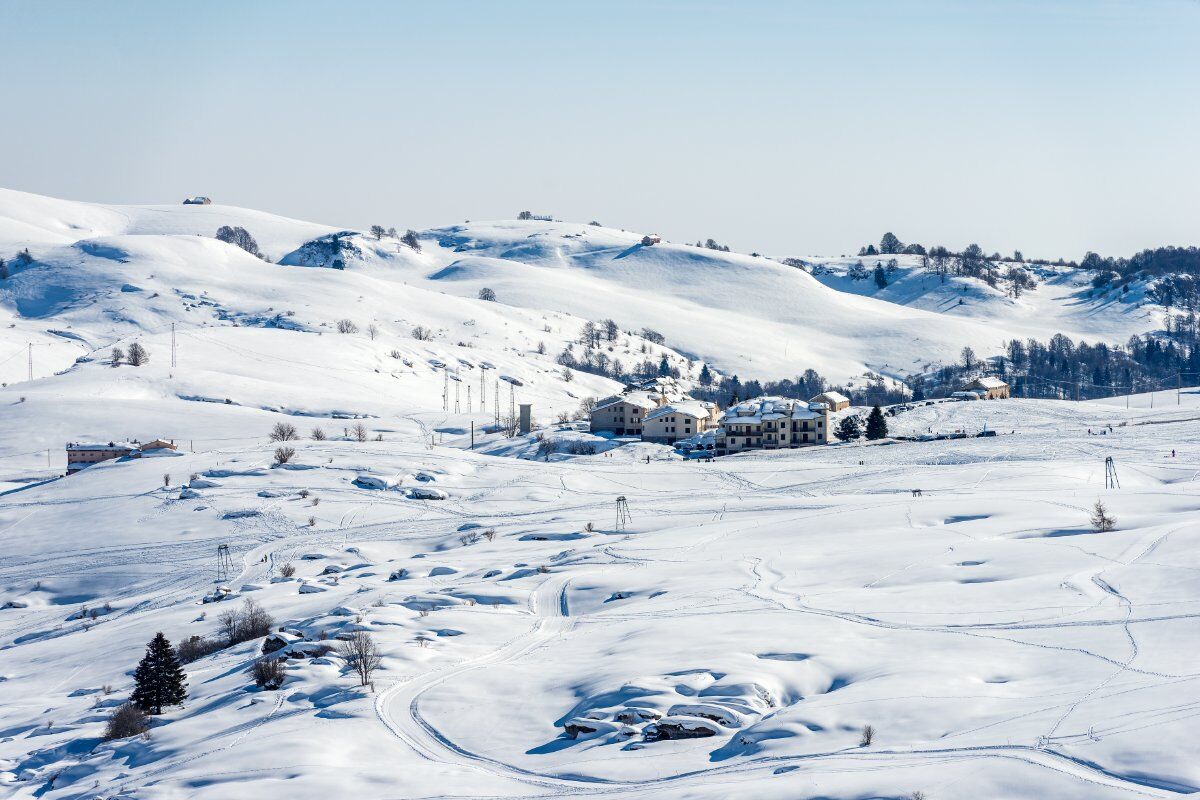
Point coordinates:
[(457, 389), (172, 345), (496, 405), (445, 389), (468, 399), (472, 436), (31, 361)]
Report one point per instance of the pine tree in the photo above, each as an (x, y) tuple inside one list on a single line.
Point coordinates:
[(1101, 521), (848, 429), (3, 270), (159, 679), (876, 424), (705, 376), (880, 277)]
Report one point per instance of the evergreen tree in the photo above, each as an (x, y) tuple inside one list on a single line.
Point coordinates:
[(876, 424), (880, 277), (3, 270), (848, 429), (159, 679), (664, 366), (705, 376)]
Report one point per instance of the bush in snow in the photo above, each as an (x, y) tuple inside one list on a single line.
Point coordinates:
[(372, 331), (410, 239), (196, 647), (284, 454), (126, 720), (346, 326), (118, 355), (317, 435), (487, 294), (421, 333), (283, 432), (287, 569), (239, 237), (251, 621), (868, 736), (359, 432), (268, 673), (1101, 521), (361, 656), (378, 231)]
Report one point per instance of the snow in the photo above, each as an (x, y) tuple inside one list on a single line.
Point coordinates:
[(766, 606)]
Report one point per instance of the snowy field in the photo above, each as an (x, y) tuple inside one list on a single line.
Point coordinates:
[(781, 602), (732, 638)]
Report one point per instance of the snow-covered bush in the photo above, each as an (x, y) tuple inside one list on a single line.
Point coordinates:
[(126, 720)]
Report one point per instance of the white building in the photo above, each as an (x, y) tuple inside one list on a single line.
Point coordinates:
[(772, 423)]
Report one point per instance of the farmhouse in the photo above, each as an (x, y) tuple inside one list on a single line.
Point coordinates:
[(197, 201), (682, 419), (988, 388), (772, 423), (83, 454), (835, 400)]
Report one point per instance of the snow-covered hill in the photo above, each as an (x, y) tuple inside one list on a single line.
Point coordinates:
[(767, 607), (104, 273)]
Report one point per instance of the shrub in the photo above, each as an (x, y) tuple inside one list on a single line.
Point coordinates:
[(251, 621), (318, 435), (359, 432), (194, 648), (487, 294), (284, 432), (868, 736), (268, 673), (421, 333), (287, 569), (239, 237), (346, 326), (284, 454), (126, 720)]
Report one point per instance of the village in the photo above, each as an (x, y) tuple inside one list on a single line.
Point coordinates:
[(658, 411)]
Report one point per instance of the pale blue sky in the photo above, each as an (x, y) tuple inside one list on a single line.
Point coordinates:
[(785, 127)]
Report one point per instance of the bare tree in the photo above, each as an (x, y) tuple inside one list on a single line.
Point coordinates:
[(138, 355), (166, 479), (361, 656), (378, 231), (359, 432), (118, 355), (1101, 521), (868, 736), (287, 569), (284, 454), (284, 432), (410, 239), (318, 435), (346, 326), (421, 333), (509, 425), (372, 331)]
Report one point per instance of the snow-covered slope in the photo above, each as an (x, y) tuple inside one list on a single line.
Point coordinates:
[(775, 604), (778, 602), (752, 316)]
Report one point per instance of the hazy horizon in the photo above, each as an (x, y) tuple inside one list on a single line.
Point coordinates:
[(788, 129)]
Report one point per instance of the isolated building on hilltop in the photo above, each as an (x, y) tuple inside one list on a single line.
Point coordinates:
[(197, 201), (835, 400), (989, 388), (772, 423), (83, 454), (682, 419)]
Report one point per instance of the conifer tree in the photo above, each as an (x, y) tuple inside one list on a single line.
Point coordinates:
[(159, 679), (848, 429), (876, 425)]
